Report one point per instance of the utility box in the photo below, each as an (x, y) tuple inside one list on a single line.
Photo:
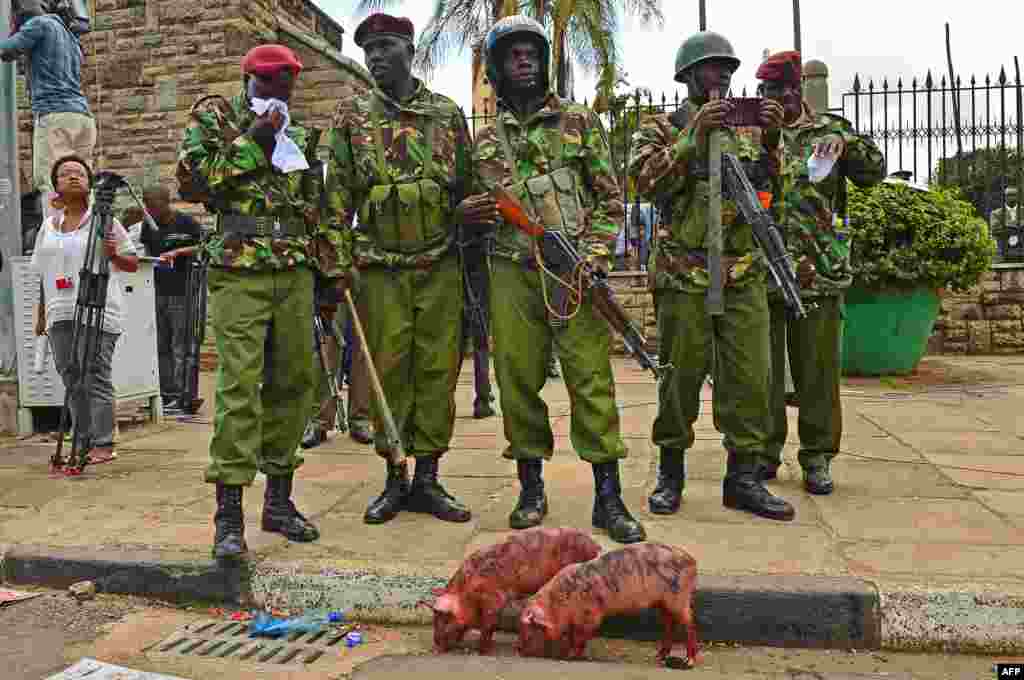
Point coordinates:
[(136, 371)]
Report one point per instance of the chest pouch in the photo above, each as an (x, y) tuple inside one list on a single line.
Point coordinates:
[(553, 199), (407, 217)]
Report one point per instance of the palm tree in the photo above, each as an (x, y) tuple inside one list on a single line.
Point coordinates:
[(582, 31)]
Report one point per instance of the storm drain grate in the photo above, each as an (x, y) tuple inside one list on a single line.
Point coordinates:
[(230, 640)]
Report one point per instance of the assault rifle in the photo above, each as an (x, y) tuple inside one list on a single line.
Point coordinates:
[(765, 231), (562, 259), (322, 333)]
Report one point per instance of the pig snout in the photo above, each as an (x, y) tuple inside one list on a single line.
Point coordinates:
[(447, 632), (534, 631)]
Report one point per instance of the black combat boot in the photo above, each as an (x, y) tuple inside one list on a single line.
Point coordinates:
[(428, 496), (392, 500), (229, 537), (768, 470), (818, 478), (610, 512), (359, 430), (280, 514), (668, 493), (533, 502), (742, 490)]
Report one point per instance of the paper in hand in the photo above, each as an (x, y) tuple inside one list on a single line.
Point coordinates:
[(288, 157)]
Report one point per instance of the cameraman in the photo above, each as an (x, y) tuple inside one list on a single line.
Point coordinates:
[(176, 237), (63, 124)]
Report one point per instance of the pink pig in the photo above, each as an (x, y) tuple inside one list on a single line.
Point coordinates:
[(567, 612), (492, 576)]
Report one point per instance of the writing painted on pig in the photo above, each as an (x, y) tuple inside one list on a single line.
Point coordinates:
[(493, 576), (567, 612)]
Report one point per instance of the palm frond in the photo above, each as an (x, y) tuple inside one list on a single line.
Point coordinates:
[(366, 7)]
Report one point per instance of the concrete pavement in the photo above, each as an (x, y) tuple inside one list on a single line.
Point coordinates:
[(921, 546)]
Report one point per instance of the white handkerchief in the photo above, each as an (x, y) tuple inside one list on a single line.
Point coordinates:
[(287, 155)]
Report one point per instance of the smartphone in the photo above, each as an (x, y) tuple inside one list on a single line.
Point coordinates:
[(746, 112)]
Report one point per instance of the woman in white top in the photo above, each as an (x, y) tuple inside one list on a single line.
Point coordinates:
[(58, 258)]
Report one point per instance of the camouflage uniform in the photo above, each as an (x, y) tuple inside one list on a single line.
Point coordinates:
[(256, 282), (261, 294), (409, 270), (671, 169), (810, 216), (517, 305)]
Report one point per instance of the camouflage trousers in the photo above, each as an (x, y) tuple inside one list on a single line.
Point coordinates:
[(735, 346), (260, 317), (523, 343), (414, 330), (815, 345)]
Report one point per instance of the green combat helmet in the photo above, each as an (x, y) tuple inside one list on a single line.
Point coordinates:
[(520, 26), (701, 47)]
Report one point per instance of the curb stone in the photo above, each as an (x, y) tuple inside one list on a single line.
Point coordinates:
[(176, 577), (795, 611), (971, 620)]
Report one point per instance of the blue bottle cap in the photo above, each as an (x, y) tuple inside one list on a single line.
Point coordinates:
[(335, 617)]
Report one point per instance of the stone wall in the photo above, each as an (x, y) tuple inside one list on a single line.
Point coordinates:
[(632, 293), (986, 319), (148, 61)]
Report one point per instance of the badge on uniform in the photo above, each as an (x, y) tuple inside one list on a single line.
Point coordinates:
[(65, 283)]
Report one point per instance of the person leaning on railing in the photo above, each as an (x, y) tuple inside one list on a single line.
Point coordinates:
[(58, 258)]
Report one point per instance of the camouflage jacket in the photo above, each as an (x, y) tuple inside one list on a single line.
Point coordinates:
[(223, 167), (584, 150), (353, 151), (673, 172), (811, 215)]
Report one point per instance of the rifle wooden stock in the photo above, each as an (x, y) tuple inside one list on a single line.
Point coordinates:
[(319, 334)]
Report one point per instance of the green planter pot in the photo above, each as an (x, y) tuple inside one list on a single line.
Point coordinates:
[(886, 331)]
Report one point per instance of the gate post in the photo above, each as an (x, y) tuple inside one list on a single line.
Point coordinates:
[(816, 85)]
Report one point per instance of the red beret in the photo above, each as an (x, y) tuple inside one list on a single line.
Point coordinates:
[(268, 59), (784, 66), (384, 24)]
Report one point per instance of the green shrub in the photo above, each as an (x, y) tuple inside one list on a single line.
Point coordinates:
[(904, 237)]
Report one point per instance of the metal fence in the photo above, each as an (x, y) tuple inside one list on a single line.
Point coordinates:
[(964, 132)]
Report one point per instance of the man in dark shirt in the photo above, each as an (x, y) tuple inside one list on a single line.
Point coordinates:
[(174, 244)]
